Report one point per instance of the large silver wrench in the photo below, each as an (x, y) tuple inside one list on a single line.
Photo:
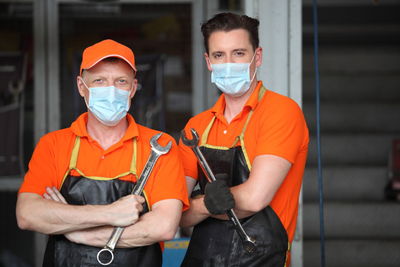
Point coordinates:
[(249, 243), (106, 255)]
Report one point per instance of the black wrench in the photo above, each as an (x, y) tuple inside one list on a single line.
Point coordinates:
[(249, 243)]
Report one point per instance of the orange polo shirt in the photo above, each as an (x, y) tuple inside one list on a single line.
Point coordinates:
[(50, 161), (277, 127)]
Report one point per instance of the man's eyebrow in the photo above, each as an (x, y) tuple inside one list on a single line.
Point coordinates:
[(240, 50), (97, 76)]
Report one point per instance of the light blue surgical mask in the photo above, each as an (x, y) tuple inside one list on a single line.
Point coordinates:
[(232, 78), (108, 104)]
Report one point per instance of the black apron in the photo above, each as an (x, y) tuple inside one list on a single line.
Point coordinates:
[(215, 242), (83, 190)]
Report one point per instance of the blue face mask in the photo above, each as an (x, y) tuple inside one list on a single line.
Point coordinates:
[(232, 78), (108, 104)]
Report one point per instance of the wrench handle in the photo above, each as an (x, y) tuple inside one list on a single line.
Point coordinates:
[(204, 165), (115, 236), (247, 241), (141, 182), (106, 255)]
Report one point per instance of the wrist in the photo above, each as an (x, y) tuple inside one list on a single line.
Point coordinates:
[(100, 215), (199, 205), (80, 237), (204, 209), (75, 237)]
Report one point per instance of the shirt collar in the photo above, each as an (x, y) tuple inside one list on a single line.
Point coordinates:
[(252, 102), (253, 99), (78, 127), (132, 130)]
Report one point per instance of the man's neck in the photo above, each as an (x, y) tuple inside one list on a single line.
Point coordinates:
[(234, 105), (105, 135)]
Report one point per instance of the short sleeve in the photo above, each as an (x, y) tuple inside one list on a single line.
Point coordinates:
[(42, 168), (282, 131), (188, 158), (170, 182)]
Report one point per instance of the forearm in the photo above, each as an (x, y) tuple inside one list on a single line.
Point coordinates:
[(246, 202), (150, 229), (160, 224), (257, 192), (49, 217), (196, 213), (243, 207)]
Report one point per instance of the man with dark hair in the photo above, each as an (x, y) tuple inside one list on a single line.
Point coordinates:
[(79, 183), (229, 21), (256, 142)]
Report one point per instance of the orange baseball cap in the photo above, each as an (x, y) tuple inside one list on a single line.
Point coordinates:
[(105, 49)]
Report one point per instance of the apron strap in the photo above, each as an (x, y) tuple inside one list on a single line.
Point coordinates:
[(75, 152), (132, 169), (206, 132), (74, 159), (240, 138)]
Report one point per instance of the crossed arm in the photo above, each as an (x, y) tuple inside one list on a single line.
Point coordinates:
[(267, 174), (93, 224)]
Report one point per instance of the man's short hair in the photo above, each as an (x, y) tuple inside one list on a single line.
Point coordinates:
[(230, 21), (110, 60)]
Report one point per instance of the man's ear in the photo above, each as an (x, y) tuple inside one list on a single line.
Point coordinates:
[(134, 88), (207, 58), (259, 55), (81, 87)]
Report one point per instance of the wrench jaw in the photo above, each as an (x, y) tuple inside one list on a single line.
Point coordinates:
[(249, 245), (156, 147), (190, 142)]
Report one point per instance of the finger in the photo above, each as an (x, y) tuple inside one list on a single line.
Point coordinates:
[(140, 199), (139, 207), (52, 194), (58, 194), (135, 198), (46, 196)]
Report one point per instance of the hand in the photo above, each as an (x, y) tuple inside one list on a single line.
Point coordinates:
[(53, 194), (96, 236), (217, 197), (125, 211), (75, 236)]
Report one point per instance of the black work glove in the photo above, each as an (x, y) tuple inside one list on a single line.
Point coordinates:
[(217, 196)]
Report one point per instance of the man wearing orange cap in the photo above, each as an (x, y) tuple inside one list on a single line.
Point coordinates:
[(78, 185)]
